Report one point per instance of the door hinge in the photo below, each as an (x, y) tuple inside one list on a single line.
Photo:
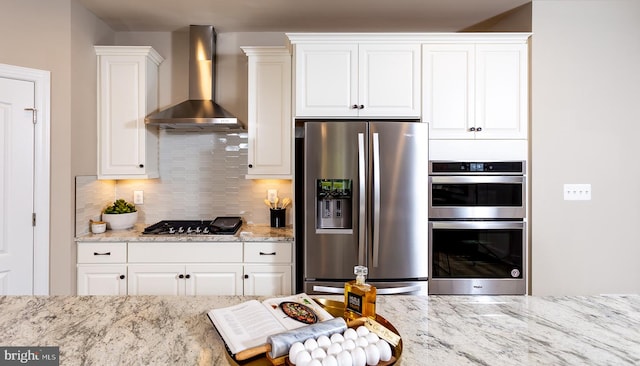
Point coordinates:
[(33, 219), (35, 114)]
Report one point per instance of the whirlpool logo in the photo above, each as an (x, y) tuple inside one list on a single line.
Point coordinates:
[(36, 356)]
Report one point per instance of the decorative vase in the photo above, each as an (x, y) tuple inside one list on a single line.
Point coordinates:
[(120, 221)]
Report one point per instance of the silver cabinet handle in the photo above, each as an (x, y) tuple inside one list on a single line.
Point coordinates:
[(363, 200), (376, 198)]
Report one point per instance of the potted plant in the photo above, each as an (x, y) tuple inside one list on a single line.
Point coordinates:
[(120, 215)]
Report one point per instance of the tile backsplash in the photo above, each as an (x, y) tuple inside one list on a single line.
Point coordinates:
[(202, 175)]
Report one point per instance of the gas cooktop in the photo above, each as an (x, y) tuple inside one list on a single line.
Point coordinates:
[(220, 226)]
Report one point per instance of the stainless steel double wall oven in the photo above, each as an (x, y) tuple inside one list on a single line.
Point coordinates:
[(477, 227)]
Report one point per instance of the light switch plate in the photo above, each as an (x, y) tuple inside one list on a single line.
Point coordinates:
[(272, 194), (577, 192), (138, 197)]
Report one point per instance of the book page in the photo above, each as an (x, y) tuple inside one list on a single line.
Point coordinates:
[(245, 325), (273, 305)]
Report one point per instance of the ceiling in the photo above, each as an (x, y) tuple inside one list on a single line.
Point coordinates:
[(299, 15)]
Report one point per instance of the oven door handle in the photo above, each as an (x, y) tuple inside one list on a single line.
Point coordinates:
[(453, 179), (468, 225)]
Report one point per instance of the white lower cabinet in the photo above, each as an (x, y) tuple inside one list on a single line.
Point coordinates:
[(102, 269), (267, 268), (102, 279), (179, 268), (185, 279)]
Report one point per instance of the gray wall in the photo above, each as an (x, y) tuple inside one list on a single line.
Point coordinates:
[(585, 128)]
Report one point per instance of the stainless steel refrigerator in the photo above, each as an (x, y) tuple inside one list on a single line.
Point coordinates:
[(365, 194)]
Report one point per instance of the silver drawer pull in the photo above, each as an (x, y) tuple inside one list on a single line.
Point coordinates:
[(106, 253), (263, 253)]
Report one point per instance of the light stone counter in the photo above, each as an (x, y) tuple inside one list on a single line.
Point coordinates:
[(436, 330), (248, 232)]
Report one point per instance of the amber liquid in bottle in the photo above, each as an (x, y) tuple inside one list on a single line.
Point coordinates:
[(359, 297)]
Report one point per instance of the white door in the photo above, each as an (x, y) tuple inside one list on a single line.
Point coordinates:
[(102, 279), (267, 280), (16, 186)]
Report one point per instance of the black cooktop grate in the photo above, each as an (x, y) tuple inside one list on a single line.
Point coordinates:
[(220, 226)]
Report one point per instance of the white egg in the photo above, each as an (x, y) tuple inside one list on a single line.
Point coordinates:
[(318, 353), (294, 350), (310, 344), (344, 358), (362, 331), (334, 349), (350, 333), (330, 361), (385, 350), (348, 345), (314, 362), (362, 342), (358, 357), (373, 354), (302, 358), (323, 342), (337, 338), (372, 338)]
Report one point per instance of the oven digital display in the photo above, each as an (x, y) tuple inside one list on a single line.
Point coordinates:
[(476, 167)]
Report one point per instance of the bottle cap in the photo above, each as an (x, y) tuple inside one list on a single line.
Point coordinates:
[(360, 270)]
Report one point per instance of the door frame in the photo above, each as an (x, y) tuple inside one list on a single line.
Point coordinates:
[(41, 184)]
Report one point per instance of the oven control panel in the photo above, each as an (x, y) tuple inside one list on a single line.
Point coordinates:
[(468, 167)]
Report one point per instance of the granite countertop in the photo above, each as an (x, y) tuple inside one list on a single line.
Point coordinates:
[(248, 232), (436, 330)]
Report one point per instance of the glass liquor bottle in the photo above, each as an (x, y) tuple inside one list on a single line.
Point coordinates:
[(359, 297)]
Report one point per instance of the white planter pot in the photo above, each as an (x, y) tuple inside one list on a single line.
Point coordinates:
[(120, 221)]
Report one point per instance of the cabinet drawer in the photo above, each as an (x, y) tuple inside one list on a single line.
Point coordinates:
[(267, 252), (102, 252), (178, 252)]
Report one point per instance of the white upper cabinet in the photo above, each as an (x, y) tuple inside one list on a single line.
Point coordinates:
[(127, 92), (270, 126), (334, 78), (475, 90)]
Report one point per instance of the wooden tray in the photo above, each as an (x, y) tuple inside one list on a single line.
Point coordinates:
[(335, 308)]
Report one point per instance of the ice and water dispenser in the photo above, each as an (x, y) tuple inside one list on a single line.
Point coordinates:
[(334, 204)]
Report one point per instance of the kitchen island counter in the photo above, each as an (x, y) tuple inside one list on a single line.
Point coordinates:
[(248, 232), (436, 330)]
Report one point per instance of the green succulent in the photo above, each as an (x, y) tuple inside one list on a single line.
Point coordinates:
[(120, 206)]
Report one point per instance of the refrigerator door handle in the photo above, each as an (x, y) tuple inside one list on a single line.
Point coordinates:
[(376, 198), (399, 290), (332, 290), (362, 209)]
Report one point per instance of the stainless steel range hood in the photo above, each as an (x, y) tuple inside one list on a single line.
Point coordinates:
[(200, 111)]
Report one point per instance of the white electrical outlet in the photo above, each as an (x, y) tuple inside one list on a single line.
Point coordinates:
[(272, 194), (577, 192), (138, 197)]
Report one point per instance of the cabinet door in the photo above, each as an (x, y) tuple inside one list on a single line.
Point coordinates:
[(501, 91), (270, 126), (156, 279), (214, 279), (127, 92), (103, 279), (389, 80), (326, 80), (267, 280), (449, 90)]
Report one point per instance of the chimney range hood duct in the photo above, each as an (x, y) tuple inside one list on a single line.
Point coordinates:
[(200, 112)]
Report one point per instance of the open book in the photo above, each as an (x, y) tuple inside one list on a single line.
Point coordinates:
[(248, 324)]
